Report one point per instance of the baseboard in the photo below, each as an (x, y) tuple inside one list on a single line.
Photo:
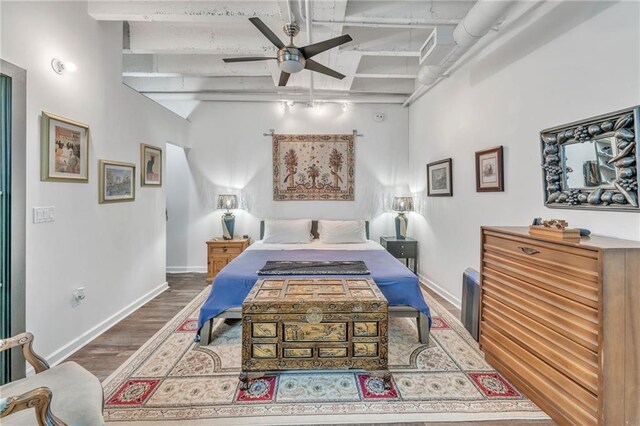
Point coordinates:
[(441, 291), (81, 341), (186, 269)]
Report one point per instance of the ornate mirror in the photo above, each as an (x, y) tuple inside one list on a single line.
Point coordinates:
[(593, 163)]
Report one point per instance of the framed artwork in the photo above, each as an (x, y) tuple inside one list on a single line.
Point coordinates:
[(489, 170), (440, 179), (150, 165), (117, 182), (64, 150), (313, 167)]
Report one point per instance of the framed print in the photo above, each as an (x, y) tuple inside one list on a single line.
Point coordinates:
[(439, 178), (64, 150), (150, 165), (489, 170), (117, 182)]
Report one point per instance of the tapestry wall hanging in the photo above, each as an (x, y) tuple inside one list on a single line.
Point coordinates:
[(313, 167)]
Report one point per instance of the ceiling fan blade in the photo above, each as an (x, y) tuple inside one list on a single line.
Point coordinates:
[(313, 49), (284, 78), (317, 67), (246, 59), (267, 32)]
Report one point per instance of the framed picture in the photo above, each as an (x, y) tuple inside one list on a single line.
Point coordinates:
[(64, 150), (150, 165), (117, 182), (489, 170), (439, 179)]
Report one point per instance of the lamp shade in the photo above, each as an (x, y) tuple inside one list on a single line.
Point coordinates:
[(402, 204), (227, 201)]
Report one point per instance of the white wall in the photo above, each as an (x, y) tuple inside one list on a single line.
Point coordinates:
[(577, 60), (116, 251), (229, 154)]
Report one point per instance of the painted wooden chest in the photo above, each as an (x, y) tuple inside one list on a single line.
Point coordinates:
[(321, 323)]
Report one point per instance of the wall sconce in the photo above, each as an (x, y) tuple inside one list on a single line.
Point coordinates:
[(60, 66)]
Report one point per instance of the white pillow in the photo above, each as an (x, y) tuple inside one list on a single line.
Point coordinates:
[(342, 231), (296, 231)]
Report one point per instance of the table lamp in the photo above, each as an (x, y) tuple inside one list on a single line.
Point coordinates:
[(229, 202), (402, 205)]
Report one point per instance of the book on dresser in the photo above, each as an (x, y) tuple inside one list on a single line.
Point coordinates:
[(561, 320)]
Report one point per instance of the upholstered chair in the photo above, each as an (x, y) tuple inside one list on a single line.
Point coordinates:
[(66, 394)]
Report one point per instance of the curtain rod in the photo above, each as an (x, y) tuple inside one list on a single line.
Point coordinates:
[(272, 131)]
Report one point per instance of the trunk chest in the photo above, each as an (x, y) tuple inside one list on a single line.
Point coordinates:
[(321, 323)]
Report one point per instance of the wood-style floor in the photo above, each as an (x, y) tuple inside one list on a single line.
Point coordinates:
[(109, 350)]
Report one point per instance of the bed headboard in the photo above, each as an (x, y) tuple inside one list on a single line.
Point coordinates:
[(314, 229)]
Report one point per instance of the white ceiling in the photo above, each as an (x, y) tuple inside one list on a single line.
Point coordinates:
[(173, 50)]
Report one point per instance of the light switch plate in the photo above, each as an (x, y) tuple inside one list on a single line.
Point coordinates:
[(43, 214)]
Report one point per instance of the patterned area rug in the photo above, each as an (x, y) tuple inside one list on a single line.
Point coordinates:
[(172, 379)]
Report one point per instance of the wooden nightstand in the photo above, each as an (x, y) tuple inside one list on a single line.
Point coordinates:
[(402, 249), (220, 252)]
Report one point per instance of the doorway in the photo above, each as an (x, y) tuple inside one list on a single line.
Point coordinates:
[(5, 223), (13, 127)]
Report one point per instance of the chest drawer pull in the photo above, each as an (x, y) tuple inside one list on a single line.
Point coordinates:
[(528, 250)]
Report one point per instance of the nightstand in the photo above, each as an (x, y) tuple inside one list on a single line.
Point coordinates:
[(220, 252), (402, 249)]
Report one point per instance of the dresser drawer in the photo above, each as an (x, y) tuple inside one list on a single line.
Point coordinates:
[(573, 261), (222, 250), (584, 290), (402, 249), (574, 321), (571, 359), (577, 405)]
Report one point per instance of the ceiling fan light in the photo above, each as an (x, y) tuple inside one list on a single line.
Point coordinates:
[(291, 66)]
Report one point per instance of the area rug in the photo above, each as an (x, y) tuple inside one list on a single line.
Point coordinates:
[(172, 380)]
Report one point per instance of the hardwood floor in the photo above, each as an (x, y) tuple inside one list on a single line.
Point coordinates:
[(108, 351)]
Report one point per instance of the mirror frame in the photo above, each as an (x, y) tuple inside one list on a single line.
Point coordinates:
[(624, 126)]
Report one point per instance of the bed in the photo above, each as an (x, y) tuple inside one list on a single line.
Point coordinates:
[(232, 284)]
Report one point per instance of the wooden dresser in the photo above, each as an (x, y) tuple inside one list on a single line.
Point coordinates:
[(562, 321), (220, 252)]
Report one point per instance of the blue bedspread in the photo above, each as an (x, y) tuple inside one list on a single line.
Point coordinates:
[(232, 284)]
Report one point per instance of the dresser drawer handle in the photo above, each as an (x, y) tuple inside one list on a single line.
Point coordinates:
[(528, 250), (224, 249)]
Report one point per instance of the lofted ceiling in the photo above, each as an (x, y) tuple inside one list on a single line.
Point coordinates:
[(173, 50)]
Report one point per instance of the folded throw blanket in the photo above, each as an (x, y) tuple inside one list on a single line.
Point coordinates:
[(314, 267)]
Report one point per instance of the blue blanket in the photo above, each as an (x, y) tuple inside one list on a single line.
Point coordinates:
[(232, 284)]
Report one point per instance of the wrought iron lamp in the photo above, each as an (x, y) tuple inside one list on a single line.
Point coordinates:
[(229, 202), (402, 205)]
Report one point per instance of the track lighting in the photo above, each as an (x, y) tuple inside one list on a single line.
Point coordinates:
[(290, 104), (345, 106)]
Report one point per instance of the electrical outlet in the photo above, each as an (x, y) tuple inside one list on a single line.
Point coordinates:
[(78, 296)]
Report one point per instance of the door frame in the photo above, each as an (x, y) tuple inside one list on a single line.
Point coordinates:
[(18, 206)]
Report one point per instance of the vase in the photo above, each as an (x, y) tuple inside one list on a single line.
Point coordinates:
[(228, 223), (401, 226)]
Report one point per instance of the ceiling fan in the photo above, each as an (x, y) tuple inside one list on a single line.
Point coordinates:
[(292, 59)]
